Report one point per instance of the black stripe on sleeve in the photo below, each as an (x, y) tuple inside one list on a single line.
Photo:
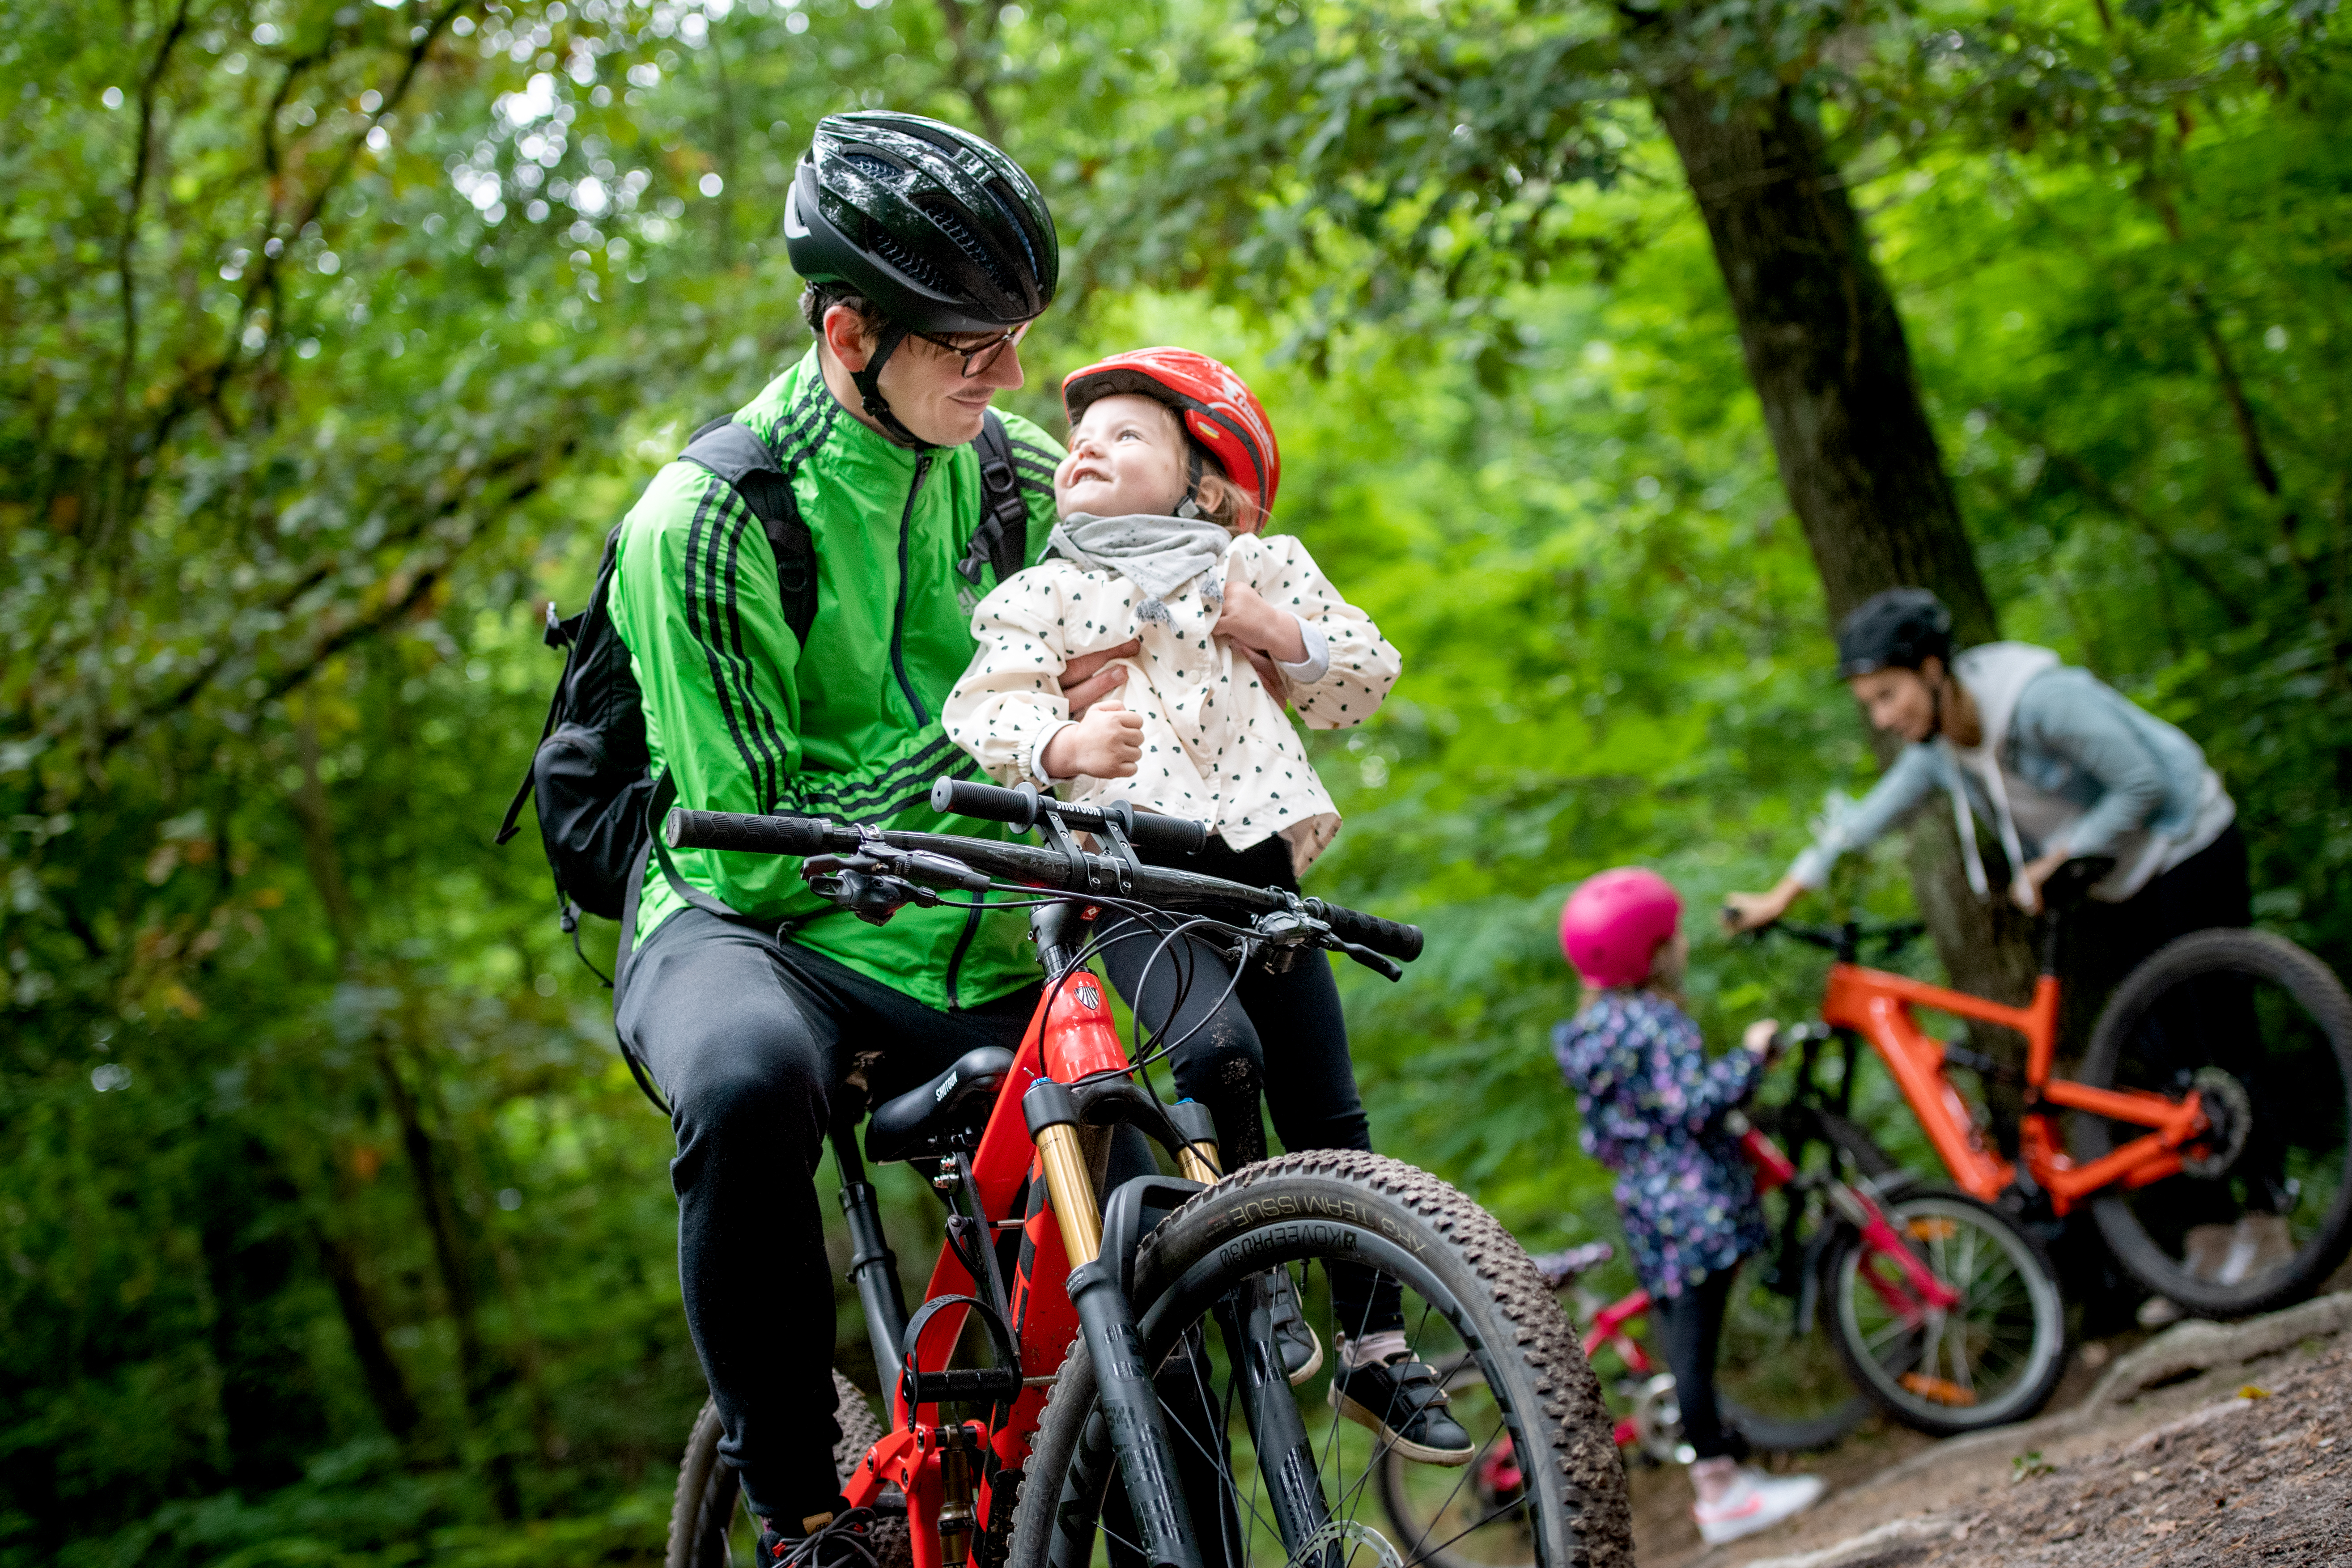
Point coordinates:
[(901, 775), (700, 594), (766, 738)]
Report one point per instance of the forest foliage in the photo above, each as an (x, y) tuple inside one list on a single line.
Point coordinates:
[(335, 336)]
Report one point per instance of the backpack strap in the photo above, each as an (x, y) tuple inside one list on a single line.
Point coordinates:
[(735, 453), (1001, 541)]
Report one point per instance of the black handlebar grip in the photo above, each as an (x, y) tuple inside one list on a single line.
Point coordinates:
[(1394, 937), (1176, 835), (956, 797), (685, 829)]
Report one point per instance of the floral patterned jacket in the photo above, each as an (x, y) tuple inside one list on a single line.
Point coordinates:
[(1652, 1104)]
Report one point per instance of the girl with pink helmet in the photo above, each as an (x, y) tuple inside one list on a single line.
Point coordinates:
[(1653, 1103)]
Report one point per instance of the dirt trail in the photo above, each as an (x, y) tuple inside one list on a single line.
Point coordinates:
[(2210, 1443)]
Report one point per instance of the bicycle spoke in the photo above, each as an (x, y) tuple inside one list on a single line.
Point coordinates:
[(1214, 1458), (1504, 1511)]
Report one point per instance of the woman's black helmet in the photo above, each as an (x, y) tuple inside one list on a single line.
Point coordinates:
[(940, 229), (1894, 631)]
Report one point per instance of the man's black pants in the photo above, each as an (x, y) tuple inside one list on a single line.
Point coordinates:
[(749, 1039)]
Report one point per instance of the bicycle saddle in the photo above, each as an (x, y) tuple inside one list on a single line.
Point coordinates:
[(954, 1105)]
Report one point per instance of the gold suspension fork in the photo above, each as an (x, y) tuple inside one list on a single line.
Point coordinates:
[(1067, 1186), (1197, 1156)]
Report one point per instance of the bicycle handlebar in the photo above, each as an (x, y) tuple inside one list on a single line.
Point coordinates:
[(1847, 940), (745, 832), (1144, 829), (756, 834)]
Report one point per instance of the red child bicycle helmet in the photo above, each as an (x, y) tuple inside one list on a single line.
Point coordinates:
[(1615, 922), (1218, 410)]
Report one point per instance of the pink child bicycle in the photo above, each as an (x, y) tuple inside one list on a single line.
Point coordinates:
[(1945, 1288)]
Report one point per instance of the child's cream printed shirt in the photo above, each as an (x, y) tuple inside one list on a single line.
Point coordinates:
[(1217, 746)]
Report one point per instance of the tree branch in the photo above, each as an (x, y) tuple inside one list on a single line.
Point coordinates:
[(118, 486), (2092, 482)]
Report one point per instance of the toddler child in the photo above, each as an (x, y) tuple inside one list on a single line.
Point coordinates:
[(1652, 1106), (1158, 560)]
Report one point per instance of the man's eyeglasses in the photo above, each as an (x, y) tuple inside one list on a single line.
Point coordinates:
[(977, 358)]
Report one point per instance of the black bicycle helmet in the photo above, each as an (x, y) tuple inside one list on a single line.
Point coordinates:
[(1894, 631), (936, 226)]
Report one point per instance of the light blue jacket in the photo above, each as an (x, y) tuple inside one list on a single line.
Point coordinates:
[(2102, 776)]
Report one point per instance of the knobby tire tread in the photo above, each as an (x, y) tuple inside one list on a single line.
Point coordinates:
[(1574, 1434)]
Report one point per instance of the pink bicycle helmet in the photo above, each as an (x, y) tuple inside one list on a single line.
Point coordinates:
[(1614, 923)]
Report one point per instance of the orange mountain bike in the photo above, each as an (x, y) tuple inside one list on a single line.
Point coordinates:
[(2218, 1084)]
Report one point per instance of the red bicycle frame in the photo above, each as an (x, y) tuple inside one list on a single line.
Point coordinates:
[(1910, 1293), (936, 1465)]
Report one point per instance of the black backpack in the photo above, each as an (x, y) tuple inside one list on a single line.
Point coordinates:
[(590, 771)]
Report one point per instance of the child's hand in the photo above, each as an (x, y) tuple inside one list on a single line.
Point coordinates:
[(1106, 744), (1761, 1037), (1254, 625)]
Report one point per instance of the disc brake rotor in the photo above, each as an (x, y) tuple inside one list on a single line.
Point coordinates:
[(1360, 1546), (2230, 1115)]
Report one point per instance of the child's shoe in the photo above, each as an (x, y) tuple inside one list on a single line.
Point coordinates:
[(1737, 1500), (1400, 1400), (1302, 1352)]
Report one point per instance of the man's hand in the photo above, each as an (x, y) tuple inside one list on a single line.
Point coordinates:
[(2026, 891), (1252, 624), (1750, 910), (1106, 744), (1087, 680), (1762, 1037)]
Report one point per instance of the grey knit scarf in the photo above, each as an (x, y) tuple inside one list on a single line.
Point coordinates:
[(1157, 554)]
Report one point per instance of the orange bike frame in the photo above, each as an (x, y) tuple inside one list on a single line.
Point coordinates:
[(1879, 1006)]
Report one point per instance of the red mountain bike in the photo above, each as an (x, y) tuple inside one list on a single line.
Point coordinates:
[(2218, 1082), (1132, 1397)]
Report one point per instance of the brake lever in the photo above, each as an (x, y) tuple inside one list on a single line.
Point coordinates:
[(918, 866), (860, 884), (1378, 963)]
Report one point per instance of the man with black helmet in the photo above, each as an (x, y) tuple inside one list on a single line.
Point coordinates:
[(2056, 762), (927, 254), (2061, 767)]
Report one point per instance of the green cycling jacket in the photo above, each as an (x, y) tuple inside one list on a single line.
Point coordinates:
[(747, 719)]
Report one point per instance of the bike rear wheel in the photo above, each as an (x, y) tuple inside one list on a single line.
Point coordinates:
[(1544, 1486), (2264, 1031), (708, 1528), (1994, 1358)]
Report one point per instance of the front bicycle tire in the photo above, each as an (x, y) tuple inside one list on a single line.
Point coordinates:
[(2295, 1074), (1542, 1434), (707, 1521), (1993, 1359)]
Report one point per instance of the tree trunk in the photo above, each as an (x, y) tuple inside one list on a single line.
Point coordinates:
[(1826, 353)]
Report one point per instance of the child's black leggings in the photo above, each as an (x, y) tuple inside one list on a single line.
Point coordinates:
[(1279, 1035), (1693, 1322)]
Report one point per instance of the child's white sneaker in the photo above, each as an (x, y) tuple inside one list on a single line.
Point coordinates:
[(1735, 1501)]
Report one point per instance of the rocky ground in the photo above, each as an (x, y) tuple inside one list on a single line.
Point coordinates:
[(2208, 1444)]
